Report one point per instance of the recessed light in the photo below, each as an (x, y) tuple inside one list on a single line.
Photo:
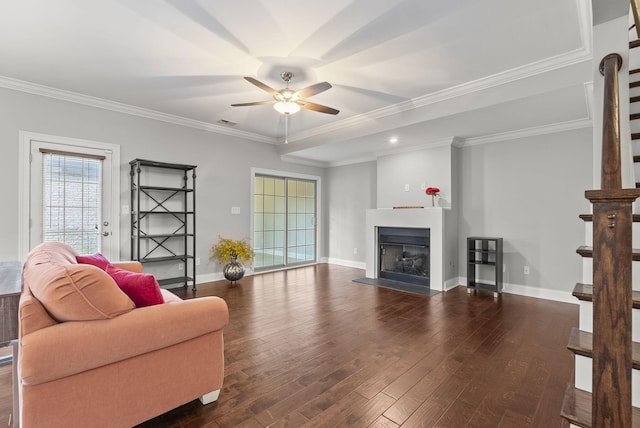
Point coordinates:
[(393, 140)]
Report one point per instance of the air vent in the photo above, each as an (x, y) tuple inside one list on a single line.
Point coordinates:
[(226, 122)]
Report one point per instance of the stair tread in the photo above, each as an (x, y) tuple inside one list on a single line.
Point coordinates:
[(635, 136), (634, 43), (589, 217), (634, 84), (634, 116), (636, 158), (634, 71), (585, 292), (587, 251), (581, 343), (576, 408)]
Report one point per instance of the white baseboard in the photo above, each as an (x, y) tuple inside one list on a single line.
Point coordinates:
[(540, 293), (452, 283), (347, 263), (522, 290)]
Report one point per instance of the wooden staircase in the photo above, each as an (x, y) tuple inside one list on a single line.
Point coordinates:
[(613, 356)]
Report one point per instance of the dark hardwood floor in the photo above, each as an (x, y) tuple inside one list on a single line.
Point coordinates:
[(309, 347)]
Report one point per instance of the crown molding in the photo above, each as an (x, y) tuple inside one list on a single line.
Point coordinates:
[(588, 96), (457, 142), (527, 132), (74, 97), (450, 141), (303, 161), (585, 22), (518, 73), (354, 161)]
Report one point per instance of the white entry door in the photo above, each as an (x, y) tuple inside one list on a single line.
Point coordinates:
[(72, 195)]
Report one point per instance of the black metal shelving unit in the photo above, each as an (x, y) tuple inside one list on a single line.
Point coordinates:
[(163, 221), (482, 251)]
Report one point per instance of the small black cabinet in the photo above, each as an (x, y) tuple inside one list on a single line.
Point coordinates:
[(163, 223), (484, 264)]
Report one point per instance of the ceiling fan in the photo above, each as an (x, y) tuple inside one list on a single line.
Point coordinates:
[(288, 101)]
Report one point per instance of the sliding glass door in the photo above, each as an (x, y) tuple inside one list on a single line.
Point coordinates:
[(284, 221)]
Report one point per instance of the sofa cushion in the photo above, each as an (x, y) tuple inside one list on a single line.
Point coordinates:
[(50, 252), (69, 291), (142, 288), (78, 293), (96, 259)]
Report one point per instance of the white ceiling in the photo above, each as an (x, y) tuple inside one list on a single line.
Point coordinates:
[(421, 70)]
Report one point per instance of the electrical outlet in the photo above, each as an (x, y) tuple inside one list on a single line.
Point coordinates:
[(355, 250), (180, 266), (125, 209), (504, 267), (197, 261), (526, 270), (406, 187)]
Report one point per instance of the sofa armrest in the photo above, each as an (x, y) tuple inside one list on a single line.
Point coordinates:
[(131, 266), (73, 347)]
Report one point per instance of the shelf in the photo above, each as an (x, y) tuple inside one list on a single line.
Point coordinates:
[(163, 259), (146, 162), (166, 212), (480, 262), (166, 189), (482, 285), (163, 199), (484, 252), (169, 235), (174, 280)]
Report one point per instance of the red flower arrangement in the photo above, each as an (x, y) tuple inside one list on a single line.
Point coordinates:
[(433, 191)]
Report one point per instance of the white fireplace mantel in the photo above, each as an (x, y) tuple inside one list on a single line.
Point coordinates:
[(431, 218)]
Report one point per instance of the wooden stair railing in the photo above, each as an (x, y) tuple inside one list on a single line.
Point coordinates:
[(612, 256), (635, 8)]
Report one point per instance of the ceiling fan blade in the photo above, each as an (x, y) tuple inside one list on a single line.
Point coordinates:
[(318, 107), (255, 103), (313, 89), (261, 85)]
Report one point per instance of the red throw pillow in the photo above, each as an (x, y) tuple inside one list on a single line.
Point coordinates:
[(96, 260), (142, 288)]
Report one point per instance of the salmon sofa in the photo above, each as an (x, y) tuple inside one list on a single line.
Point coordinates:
[(87, 357)]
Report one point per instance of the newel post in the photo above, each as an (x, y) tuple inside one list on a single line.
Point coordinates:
[(611, 176), (612, 258)]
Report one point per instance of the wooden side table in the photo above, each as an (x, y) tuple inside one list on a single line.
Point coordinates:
[(10, 287)]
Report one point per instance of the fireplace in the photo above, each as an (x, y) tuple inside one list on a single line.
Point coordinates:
[(431, 219), (405, 254)]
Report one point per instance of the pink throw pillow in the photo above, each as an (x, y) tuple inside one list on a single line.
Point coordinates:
[(142, 288), (96, 260)]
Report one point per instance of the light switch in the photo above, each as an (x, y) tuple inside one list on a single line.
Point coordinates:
[(406, 187), (235, 210)]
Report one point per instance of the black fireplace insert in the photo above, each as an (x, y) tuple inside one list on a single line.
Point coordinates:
[(404, 254)]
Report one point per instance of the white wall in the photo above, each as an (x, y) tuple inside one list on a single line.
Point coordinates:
[(430, 166), (529, 191), (351, 190), (223, 174)]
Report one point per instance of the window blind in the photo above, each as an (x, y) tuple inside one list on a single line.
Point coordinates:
[(72, 199)]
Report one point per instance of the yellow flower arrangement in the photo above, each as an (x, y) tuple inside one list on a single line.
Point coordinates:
[(226, 249)]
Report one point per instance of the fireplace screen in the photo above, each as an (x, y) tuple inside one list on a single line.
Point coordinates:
[(404, 254)]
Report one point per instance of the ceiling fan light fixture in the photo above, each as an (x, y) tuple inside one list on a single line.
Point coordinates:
[(286, 107)]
